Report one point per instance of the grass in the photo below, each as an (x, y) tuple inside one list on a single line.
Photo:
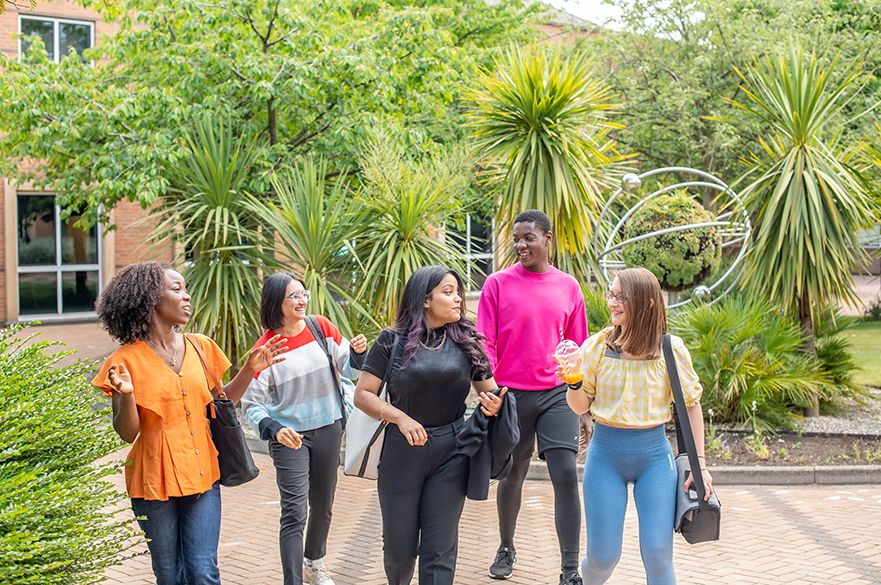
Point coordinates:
[(865, 339)]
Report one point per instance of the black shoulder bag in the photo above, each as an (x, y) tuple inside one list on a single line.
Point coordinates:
[(233, 456), (697, 520)]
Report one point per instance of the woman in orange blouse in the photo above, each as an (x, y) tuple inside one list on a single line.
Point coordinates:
[(159, 392)]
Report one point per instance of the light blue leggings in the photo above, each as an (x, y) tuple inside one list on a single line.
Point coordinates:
[(617, 457)]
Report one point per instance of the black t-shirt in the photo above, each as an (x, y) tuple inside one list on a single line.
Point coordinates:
[(432, 388)]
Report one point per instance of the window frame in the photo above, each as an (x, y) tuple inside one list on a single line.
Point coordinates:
[(471, 256), (56, 22), (58, 268)]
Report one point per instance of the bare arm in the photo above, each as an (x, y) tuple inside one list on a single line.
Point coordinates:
[(696, 418), (578, 401), (126, 422), (490, 403), (237, 386)]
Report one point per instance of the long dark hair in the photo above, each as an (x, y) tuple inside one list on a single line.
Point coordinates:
[(274, 291), (413, 327)]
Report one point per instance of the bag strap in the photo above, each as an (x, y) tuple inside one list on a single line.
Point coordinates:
[(684, 435), (217, 389), (389, 368), (318, 334)]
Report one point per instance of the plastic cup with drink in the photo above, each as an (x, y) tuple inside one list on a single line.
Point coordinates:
[(568, 356)]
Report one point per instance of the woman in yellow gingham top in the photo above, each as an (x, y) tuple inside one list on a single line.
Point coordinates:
[(626, 387)]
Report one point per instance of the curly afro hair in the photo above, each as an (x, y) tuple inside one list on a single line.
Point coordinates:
[(125, 307)]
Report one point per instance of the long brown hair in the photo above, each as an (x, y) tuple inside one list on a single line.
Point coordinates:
[(646, 320)]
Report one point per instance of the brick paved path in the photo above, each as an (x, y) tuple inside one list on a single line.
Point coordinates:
[(799, 535)]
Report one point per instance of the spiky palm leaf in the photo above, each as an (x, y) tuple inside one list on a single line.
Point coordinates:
[(808, 201), (543, 120), (313, 224), (749, 361), (205, 211), (404, 206)]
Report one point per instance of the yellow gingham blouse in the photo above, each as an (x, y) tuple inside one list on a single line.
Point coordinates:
[(634, 393)]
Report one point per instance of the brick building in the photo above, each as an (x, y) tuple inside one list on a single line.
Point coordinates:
[(52, 270)]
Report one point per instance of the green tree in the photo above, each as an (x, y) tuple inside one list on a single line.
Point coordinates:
[(673, 63), (314, 228), (205, 212), (809, 203), (404, 206), (306, 77), (543, 121)]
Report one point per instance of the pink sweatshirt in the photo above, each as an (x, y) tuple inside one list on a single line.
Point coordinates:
[(521, 314)]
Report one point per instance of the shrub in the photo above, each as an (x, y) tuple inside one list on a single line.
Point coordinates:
[(56, 505), (835, 359), (750, 362), (598, 315), (873, 311), (679, 259)]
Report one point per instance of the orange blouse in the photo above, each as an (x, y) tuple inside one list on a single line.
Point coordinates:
[(173, 454)]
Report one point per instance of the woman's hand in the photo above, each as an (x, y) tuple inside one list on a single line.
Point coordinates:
[(120, 379), (412, 431), (586, 423), (266, 355), (708, 482), (289, 438), (359, 344), (491, 404)]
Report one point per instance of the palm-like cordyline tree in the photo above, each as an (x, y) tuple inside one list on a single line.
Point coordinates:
[(313, 226), (542, 122), (404, 208), (205, 211), (809, 203)]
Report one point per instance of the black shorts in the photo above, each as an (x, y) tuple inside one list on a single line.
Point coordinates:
[(546, 415)]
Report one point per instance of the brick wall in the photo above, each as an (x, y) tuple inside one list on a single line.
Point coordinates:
[(133, 226)]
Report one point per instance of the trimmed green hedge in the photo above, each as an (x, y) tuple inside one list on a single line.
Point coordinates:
[(56, 504), (679, 259)]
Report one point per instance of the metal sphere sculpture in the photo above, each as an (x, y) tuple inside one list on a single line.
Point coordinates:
[(733, 223)]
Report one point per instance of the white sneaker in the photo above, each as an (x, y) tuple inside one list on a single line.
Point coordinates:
[(315, 573)]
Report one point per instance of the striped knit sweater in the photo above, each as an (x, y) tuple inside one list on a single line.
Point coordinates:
[(299, 392)]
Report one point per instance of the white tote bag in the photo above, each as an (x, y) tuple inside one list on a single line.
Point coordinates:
[(365, 434)]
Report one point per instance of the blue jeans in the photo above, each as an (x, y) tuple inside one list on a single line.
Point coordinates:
[(617, 457), (182, 537)]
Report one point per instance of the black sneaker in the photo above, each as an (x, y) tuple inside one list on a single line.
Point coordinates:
[(571, 579), (503, 566)]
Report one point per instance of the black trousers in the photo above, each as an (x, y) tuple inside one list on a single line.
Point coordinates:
[(421, 494), (306, 479), (546, 418)]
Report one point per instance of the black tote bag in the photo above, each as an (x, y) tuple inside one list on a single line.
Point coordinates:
[(233, 456)]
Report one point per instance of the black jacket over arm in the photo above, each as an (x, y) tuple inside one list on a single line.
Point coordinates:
[(490, 443)]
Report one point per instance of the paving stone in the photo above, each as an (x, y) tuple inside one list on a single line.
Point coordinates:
[(770, 535)]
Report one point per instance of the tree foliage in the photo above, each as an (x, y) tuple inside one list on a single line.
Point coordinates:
[(542, 121), (673, 63), (305, 77)]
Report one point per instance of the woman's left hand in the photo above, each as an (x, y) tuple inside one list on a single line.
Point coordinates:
[(266, 355), (708, 483), (490, 403), (359, 344)]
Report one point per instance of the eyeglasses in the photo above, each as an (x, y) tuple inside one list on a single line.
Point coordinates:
[(300, 295), (621, 299)]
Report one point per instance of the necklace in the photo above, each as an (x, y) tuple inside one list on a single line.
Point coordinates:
[(171, 357), (439, 345)]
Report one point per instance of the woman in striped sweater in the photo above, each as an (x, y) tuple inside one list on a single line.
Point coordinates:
[(297, 407)]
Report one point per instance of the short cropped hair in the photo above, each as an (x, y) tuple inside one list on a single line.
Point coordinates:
[(534, 216)]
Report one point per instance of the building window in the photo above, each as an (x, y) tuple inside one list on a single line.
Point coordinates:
[(476, 239), (59, 35), (59, 264)]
